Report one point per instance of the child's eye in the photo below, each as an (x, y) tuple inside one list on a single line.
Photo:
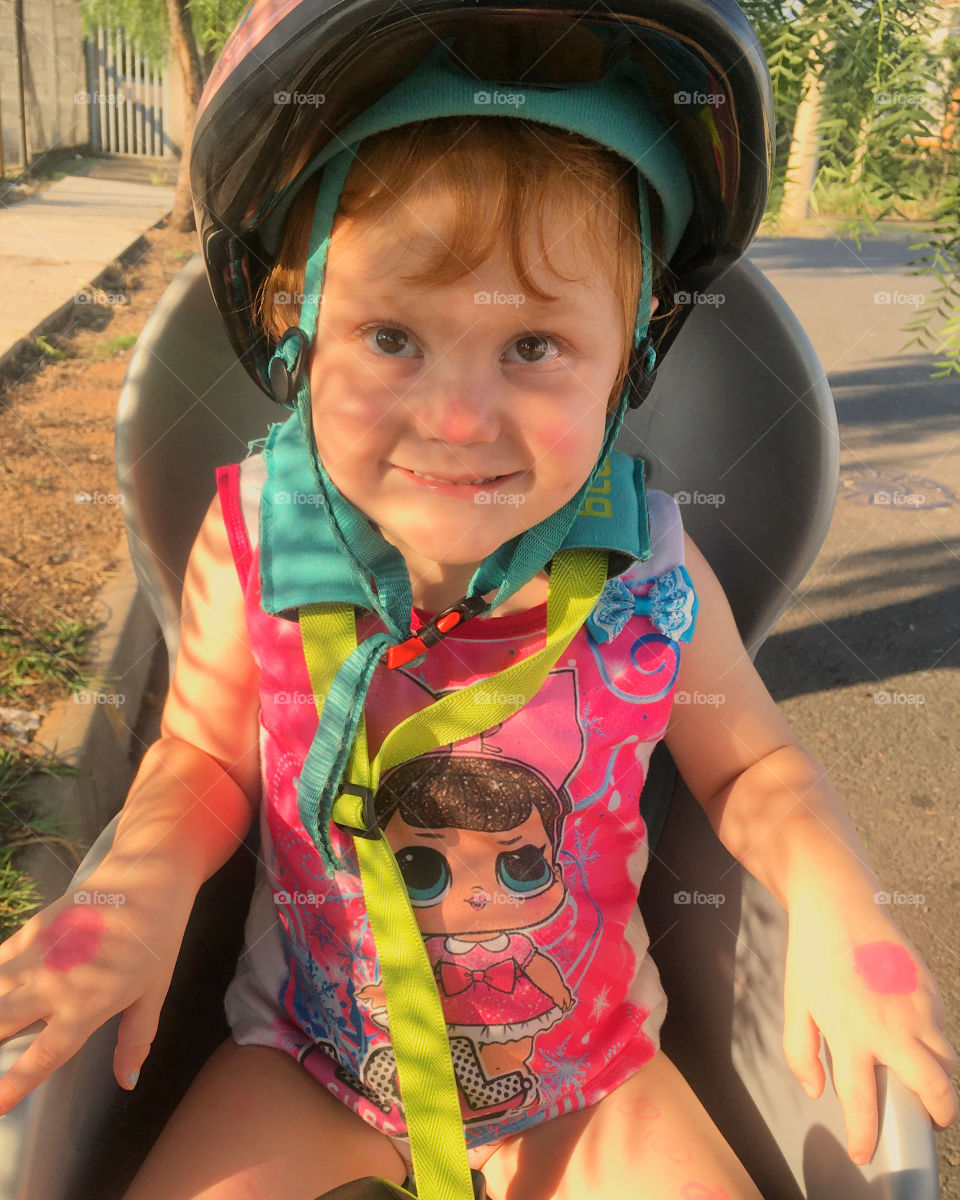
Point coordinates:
[(390, 340), (533, 346), (525, 871), (394, 342)]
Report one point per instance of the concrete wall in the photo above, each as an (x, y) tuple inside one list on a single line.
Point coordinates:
[(54, 73), (55, 77)]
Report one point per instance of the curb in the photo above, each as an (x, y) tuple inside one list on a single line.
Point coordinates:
[(94, 731), (54, 322)]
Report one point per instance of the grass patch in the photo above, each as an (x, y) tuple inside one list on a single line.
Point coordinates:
[(48, 351), (114, 345), (54, 165), (20, 828), (839, 199), (29, 657)]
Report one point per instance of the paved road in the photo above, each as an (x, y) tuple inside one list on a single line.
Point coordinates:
[(865, 661)]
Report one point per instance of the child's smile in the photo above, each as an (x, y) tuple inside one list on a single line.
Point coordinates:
[(457, 417)]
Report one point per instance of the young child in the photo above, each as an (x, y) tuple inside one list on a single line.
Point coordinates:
[(454, 426)]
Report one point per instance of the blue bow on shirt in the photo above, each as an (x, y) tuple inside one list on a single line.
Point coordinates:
[(671, 605)]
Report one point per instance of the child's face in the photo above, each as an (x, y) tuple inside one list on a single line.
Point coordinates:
[(459, 389)]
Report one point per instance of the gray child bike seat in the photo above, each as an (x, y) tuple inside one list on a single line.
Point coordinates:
[(741, 419)]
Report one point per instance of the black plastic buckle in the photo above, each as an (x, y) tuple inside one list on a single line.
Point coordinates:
[(371, 829), (439, 627), (641, 381), (372, 1187), (476, 1178), (284, 380)]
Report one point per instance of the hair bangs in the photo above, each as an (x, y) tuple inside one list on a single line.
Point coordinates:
[(496, 174)]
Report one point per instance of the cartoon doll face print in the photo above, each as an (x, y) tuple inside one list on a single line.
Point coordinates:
[(474, 884)]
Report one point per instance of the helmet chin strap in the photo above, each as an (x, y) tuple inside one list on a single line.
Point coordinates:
[(516, 562)]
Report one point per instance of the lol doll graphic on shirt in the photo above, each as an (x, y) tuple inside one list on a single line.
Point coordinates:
[(551, 998), (553, 913), (475, 832)]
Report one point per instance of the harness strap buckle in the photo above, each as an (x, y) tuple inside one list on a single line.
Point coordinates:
[(371, 829), (435, 630)]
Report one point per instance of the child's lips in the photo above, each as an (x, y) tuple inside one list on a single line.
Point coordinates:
[(465, 486), (479, 900)]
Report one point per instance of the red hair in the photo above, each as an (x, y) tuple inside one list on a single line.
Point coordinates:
[(500, 172)]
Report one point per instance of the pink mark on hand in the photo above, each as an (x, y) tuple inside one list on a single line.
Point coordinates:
[(72, 938), (885, 967), (702, 1191)]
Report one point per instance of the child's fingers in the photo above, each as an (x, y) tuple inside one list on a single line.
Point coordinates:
[(11, 948), (18, 1009), (856, 1084), (801, 1048), (938, 1009), (138, 1028), (50, 1049), (924, 1074), (11, 955), (941, 1050)]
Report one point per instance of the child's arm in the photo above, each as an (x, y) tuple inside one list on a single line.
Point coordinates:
[(851, 974), (111, 945)]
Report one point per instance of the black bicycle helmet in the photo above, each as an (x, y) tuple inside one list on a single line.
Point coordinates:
[(703, 66)]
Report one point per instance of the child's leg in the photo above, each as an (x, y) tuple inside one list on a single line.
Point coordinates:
[(255, 1125), (650, 1138)]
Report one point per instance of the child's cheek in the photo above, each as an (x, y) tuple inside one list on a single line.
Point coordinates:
[(562, 436), (885, 967), (72, 938), (565, 444)]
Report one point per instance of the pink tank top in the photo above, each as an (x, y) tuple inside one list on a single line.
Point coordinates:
[(522, 850)]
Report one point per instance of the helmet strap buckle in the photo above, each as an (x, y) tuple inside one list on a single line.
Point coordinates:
[(642, 371), (287, 366)]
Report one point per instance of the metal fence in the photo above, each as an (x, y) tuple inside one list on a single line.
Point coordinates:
[(127, 96)]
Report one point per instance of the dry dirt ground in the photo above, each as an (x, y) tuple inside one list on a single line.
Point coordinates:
[(61, 516)]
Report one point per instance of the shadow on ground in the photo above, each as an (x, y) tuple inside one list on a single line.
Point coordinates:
[(866, 648), (833, 256)]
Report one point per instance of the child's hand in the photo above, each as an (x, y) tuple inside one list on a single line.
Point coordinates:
[(98, 950), (854, 977)]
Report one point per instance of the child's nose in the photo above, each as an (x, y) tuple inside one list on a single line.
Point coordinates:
[(463, 420), (459, 411)]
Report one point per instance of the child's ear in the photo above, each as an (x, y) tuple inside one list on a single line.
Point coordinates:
[(654, 304)]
